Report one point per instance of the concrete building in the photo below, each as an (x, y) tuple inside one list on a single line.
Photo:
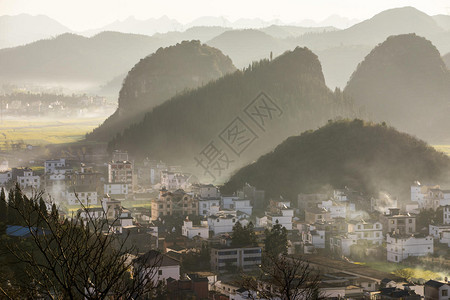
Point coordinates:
[(400, 247), (174, 180), (436, 230), (120, 173), (207, 206), (367, 230), (222, 222), (177, 203), (157, 266), (315, 214), (340, 244), (242, 258), (29, 180), (190, 231), (116, 189), (446, 216), (85, 195)]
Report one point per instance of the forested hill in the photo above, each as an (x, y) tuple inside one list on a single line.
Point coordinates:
[(365, 156), (160, 76), (405, 82), (180, 128), (446, 59)]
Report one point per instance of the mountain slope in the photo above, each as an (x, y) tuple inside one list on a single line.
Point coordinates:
[(161, 76), (363, 156), (351, 43), (23, 29), (180, 128), (405, 82), (71, 58), (446, 59), (443, 21)]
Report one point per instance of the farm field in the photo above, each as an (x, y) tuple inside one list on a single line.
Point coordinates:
[(44, 132)]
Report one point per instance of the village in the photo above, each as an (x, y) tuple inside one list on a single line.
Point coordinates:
[(209, 239)]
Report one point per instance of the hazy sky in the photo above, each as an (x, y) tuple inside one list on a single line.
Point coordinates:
[(87, 14)]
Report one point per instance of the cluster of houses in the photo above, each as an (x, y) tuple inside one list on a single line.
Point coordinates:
[(182, 216)]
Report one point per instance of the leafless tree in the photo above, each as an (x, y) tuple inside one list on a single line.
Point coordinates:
[(282, 277), (73, 258)]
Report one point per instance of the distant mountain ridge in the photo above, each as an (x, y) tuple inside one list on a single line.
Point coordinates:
[(23, 29), (71, 58), (363, 156), (160, 76), (404, 82)]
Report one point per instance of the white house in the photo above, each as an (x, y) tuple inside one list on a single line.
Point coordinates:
[(370, 231), (191, 231), (222, 222), (208, 206), (341, 244), (116, 188), (174, 180), (5, 177), (242, 205), (400, 247), (340, 195), (283, 217), (335, 209), (29, 179), (436, 230), (445, 237), (446, 212), (158, 267), (85, 194), (246, 258), (52, 165), (314, 236)]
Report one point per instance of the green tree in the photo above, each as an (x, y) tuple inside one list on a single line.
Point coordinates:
[(243, 236), (276, 240)]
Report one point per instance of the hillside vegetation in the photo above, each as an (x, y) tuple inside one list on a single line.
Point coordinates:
[(365, 156), (160, 76), (404, 82), (180, 128)]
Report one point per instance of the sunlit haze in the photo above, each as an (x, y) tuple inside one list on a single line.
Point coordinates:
[(87, 14)]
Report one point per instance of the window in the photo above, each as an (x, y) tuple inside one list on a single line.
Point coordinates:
[(409, 221), (444, 292), (159, 272)]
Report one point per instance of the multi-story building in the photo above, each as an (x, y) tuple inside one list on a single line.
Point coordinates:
[(429, 197), (367, 230), (116, 189), (283, 217), (435, 230), (400, 247), (222, 222), (51, 166), (247, 258), (313, 236), (446, 216), (237, 204), (174, 180), (341, 244), (190, 231), (177, 203), (121, 172), (83, 194), (207, 206), (335, 209), (29, 180), (394, 222), (315, 214), (5, 178)]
